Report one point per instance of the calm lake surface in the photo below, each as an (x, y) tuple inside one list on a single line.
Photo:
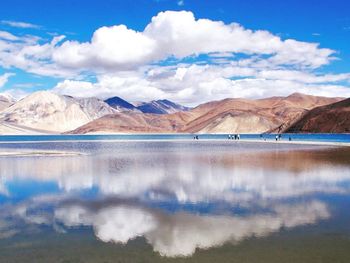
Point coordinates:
[(161, 200)]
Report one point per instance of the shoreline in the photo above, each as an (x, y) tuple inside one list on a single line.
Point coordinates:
[(319, 143)]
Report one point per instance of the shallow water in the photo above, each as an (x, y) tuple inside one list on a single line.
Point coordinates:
[(176, 201), (321, 137)]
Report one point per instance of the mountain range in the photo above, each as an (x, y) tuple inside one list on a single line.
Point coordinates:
[(45, 112)]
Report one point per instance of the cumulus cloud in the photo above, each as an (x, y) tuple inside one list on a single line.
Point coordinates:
[(180, 35), (27, 53), (150, 64), (110, 47), (194, 84)]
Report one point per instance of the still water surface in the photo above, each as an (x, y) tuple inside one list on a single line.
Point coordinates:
[(176, 201)]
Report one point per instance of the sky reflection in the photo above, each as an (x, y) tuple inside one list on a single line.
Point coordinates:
[(122, 196)]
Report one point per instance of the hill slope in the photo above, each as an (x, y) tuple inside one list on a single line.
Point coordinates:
[(133, 122), (5, 101), (46, 111), (252, 116), (119, 104), (95, 108), (225, 116), (161, 107), (333, 118)]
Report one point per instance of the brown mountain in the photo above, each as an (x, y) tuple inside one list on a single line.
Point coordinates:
[(225, 116), (333, 118), (253, 116), (134, 122)]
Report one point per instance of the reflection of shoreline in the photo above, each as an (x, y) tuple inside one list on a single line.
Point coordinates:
[(197, 176), (323, 143), (293, 142), (37, 153)]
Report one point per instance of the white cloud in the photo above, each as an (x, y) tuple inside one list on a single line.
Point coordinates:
[(19, 24), (193, 84), (4, 78), (28, 54), (130, 64), (7, 36), (179, 34), (110, 47)]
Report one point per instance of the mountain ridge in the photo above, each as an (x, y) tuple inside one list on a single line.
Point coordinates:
[(45, 111)]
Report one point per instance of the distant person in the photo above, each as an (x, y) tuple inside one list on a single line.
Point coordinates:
[(276, 138), (197, 137), (290, 138), (229, 137), (238, 137)]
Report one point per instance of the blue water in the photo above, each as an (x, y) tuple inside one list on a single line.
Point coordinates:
[(321, 137), (183, 197)]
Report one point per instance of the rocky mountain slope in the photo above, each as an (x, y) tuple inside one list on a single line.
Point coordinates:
[(332, 118), (226, 116), (6, 101), (161, 107), (95, 108), (252, 116), (120, 105), (133, 122), (46, 111)]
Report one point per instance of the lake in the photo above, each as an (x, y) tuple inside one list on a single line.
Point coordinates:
[(168, 198)]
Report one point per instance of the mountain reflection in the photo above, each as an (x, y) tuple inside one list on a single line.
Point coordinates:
[(133, 191)]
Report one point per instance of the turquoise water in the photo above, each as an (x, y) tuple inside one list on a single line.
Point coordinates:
[(299, 137)]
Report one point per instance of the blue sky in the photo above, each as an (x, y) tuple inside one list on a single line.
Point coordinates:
[(173, 73)]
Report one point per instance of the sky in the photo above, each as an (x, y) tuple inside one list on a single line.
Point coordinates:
[(188, 51)]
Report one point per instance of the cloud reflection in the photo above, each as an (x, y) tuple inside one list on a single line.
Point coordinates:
[(275, 188), (181, 234), (195, 177), (170, 234)]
